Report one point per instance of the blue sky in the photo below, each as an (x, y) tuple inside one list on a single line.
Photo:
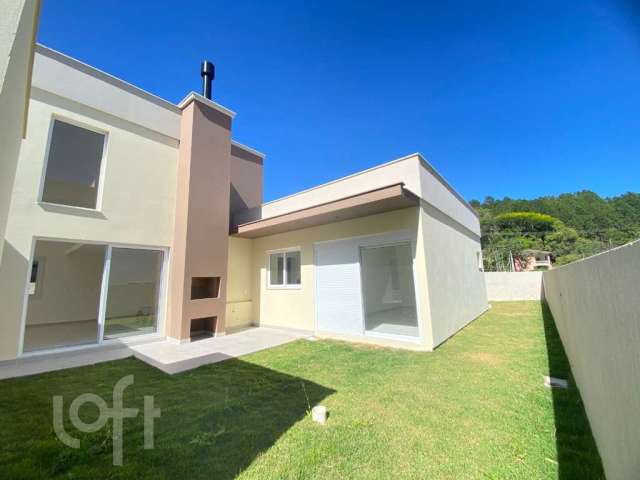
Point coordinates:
[(504, 98)]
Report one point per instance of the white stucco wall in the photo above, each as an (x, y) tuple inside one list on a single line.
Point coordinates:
[(596, 308), (456, 285), (401, 170), (138, 200), (69, 78), (437, 192), (513, 286)]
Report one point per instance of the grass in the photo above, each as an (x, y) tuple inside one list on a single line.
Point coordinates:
[(474, 408)]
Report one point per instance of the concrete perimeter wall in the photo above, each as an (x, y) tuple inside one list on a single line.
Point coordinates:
[(596, 306), (513, 286)]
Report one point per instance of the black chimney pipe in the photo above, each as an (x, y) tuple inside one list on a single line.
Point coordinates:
[(208, 73)]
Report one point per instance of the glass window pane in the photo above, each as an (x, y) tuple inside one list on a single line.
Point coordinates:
[(276, 269), (63, 309), (293, 268), (73, 166), (133, 291), (388, 290)]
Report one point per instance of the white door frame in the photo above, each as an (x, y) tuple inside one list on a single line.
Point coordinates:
[(411, 244), (104, 292)]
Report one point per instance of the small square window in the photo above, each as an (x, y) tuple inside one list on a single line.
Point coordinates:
[(284, 269), (73, 166)]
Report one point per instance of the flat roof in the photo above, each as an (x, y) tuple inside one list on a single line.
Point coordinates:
[(391, 197), (426, 164), (105, 77)]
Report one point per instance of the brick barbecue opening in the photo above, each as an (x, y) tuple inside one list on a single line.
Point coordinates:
[(203, 327), (205, 287)]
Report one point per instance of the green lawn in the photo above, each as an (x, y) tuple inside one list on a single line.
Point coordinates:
[(474, 408)]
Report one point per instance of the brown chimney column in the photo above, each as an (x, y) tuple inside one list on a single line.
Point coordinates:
[(201, 231)]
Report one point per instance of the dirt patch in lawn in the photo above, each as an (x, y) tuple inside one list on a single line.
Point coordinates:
[(486, 358)]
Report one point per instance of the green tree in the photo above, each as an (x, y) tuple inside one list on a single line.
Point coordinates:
[(572, 225)]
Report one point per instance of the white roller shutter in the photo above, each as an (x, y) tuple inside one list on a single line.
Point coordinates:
[(338, 292)]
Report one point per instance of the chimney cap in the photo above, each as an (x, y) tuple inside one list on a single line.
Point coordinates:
[(208, 73), (207, 68)]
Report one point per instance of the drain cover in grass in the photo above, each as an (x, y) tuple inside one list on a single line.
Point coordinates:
[(553, 382)]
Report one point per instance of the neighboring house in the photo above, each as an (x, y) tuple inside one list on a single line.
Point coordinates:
[(531, 260), (132, 218)]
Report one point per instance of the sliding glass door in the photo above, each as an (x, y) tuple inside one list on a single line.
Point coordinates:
[(133, 292), (79, 293), (388, 290)]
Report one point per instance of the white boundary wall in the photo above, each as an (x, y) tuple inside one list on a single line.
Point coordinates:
[(513, 286), (595, 303)]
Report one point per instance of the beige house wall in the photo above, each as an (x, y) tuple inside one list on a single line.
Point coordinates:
[(295, 307), (596, 308), (239, 286), (18, 25), (138, 199)]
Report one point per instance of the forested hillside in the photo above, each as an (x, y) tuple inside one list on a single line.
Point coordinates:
[(572, 225)]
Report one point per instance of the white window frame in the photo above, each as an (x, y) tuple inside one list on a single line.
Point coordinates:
[(285, 285), (103, 163), (102, 302)]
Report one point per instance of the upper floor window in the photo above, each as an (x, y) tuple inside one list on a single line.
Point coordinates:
[(284, 269), (74, 163)]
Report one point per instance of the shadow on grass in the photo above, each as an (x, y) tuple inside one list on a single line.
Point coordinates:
[(578, 457), (216, 420)]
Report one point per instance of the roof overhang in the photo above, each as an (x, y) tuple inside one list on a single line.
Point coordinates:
[(385, 199)]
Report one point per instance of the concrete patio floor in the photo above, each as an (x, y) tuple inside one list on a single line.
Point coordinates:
[(166, 355), (171, 357)]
